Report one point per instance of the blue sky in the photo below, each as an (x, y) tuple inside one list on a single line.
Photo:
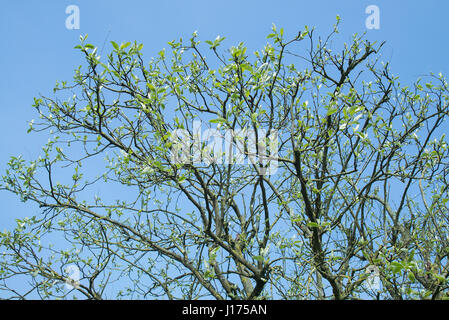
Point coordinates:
[(37, 48)]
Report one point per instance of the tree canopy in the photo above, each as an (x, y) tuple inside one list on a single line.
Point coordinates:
[(299, 171)]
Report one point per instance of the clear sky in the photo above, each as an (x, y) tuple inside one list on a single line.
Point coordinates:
[(36, 48)]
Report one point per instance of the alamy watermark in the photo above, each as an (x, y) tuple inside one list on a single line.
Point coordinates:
[(256, 147), (73, 20), (373, 280), (373, 20), (73, 277)]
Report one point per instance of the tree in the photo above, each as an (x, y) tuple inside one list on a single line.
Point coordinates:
[(344, 173)]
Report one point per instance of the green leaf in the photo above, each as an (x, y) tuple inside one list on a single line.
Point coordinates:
[(331, 111), (246, 67), (258, 258), (213, 252), (115, 45), (218, 120), (254, 117), (124, 45), (89, 46), (440, 278), (396, 267), (313, 225)]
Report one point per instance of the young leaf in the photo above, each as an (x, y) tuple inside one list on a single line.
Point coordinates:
[(124, 45), (115, 45)]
